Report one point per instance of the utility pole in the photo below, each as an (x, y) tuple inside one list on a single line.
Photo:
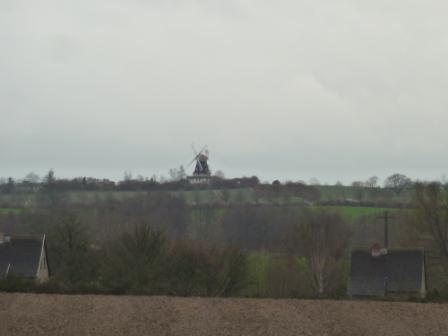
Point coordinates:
[(386, 218)]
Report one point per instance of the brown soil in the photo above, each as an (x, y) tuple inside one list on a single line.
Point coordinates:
[(31, 314)]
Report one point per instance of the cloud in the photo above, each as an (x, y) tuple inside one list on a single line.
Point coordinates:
[(337, 90)]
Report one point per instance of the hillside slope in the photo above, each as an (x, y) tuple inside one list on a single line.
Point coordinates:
[(30, 314)]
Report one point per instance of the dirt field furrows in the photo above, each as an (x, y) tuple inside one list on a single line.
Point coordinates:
[(30, 314)]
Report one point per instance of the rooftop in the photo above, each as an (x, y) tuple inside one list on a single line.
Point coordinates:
[(21, 255), (398, 271)]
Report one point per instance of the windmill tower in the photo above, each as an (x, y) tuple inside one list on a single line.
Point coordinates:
[(201, 173)]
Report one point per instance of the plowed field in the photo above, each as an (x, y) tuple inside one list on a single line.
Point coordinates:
[(30, 314)]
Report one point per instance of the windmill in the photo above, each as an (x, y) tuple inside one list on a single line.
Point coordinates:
[(201, 168)]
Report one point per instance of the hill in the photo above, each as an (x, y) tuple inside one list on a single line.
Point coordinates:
[(31, 314)]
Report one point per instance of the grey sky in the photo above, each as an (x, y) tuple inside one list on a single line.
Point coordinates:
[(338, 90)]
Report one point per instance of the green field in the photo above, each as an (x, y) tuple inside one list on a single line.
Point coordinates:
[(352, 212), (193, 197), (5, 211)]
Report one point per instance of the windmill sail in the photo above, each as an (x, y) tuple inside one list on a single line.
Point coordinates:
[(201, 158)]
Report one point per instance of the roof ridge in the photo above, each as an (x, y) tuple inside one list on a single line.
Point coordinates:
[(367, 249), (28, 236)]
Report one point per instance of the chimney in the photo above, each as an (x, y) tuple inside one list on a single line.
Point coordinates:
[(375, 250)]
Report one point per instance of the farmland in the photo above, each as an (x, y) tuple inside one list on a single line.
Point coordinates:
[(5, 211), (352, 212), (31, 314), (259, 222)]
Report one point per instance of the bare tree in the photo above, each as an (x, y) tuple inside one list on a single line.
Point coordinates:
[(177, 174), (69, 247), (314, 182), (10, 185), (372, 182), (358, 184), (182, 173), (322, 237), (220, 174), (397, 182), (173, 174), (432, 204), (358, 188), (32, 178), (127, 176), (134, 262), (50, 179)]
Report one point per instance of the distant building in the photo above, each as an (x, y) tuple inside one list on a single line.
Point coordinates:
[(387, 273), (24, 256), (201, 174), (199, 179)]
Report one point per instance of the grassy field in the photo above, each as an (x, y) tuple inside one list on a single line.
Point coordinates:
[(195, 197), (352, 213), (5, 211)]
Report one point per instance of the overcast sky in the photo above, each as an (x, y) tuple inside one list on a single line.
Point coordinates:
[(288, 89)]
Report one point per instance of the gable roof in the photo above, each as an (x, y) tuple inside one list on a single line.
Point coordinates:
[(399, 271), (21, 255)]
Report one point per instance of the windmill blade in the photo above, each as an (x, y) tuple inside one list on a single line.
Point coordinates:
[(196, 155), (202, 150), (194, 150), (195, 159)]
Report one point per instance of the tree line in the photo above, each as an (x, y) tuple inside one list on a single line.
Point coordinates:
[(157, 243)]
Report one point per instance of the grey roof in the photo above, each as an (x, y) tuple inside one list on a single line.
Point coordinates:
[(21, 255), (399, 271)]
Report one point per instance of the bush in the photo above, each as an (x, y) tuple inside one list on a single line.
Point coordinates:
[(15, 283), (133, 263), (196, 270)]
